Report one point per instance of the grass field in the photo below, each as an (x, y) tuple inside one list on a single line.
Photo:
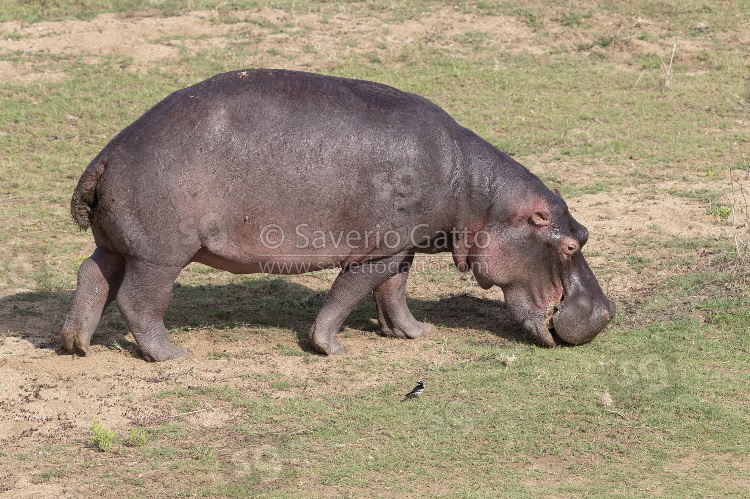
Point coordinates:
[(638, 112)]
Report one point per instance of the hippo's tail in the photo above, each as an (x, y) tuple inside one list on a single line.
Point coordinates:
[(84, 197)]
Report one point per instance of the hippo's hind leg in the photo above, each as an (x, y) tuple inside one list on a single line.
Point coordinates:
[(351, 285), (395, 318), (99, 279), (142, 299)]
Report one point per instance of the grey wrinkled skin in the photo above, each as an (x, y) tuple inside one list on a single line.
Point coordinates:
[(202, 175)]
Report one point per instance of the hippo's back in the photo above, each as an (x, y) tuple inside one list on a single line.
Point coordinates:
[(260, 146), (240, 118)]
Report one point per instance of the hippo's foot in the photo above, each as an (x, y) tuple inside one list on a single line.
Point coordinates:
[(394, 316), (164, 352), (396, 320), (411, 329), (325, 342), (75, 342)]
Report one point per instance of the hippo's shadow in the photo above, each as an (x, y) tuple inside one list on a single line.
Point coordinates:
[(261, 301)]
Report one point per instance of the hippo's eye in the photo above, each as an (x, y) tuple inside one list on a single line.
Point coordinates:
[(540, 219)]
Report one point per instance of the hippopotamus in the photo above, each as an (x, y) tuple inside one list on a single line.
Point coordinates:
[(274, 171)]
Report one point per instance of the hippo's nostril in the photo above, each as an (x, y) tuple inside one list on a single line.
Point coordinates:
[(569, 246)]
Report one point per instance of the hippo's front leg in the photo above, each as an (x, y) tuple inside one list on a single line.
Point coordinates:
[(351, 285), (394, 316)]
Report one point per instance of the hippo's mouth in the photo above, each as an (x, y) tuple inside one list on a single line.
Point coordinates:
[(541, 324), (574, 315), (552, 310)]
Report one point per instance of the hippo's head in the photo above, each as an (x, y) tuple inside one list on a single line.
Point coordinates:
[(530, 246)]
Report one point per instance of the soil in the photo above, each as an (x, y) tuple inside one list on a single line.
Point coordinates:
[(48, 396)]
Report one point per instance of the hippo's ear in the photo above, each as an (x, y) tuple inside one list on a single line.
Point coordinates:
[(556, 193)]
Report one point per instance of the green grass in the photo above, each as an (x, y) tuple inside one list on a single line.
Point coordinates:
[(657, 405), (103, 437)]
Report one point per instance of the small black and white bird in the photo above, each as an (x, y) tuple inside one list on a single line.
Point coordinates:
[(416, 392)]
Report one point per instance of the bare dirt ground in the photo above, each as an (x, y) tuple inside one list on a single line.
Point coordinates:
[(49, 397)]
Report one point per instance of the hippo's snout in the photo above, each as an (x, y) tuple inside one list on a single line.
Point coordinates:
[(579, 318)]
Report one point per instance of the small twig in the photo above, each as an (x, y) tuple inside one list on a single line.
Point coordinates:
[(284, 432), (617, 35), (181, 415), (647, 428), (667, 70), (734, 211), (639, 78), (187, 413), (619, 414), (741, 246)]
